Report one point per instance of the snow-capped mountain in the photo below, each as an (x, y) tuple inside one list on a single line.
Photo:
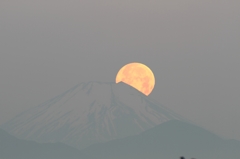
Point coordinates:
[(90, 113)]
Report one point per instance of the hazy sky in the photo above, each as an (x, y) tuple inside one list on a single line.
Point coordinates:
[(193, 47)]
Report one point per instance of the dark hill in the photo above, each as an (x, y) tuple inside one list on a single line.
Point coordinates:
[(13, 148), (171, 139)]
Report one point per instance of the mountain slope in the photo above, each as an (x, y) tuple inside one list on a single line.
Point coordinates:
[(90, 113), (171, 139), (13, 148)]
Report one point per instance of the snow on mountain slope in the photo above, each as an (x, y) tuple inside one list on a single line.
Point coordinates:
[(90, 113)]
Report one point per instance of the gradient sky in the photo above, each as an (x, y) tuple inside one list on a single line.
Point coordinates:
[(193, 47)]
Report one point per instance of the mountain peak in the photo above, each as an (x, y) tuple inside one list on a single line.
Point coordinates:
[(89, 113)]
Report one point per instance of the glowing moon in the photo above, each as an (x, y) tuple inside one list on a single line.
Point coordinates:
[(138, 76)]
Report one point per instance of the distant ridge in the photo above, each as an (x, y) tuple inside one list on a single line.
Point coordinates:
[(171, 139), (13, 148), (89, 113)]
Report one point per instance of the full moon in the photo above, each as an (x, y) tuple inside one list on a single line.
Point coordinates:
[(138, 76)]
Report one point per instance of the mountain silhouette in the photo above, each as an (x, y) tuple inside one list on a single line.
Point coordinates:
[(13, 148), (90, 113), (171, 139)]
